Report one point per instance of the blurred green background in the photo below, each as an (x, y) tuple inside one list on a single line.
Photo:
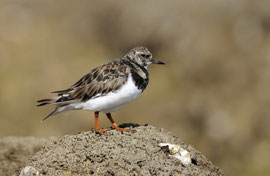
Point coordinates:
[(213, 93)]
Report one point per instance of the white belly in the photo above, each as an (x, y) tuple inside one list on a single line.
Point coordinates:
[(112, 101)]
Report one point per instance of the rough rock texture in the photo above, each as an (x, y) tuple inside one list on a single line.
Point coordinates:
[(118, 153), (15, 151)]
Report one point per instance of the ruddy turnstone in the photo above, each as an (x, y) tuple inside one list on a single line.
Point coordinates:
[(106, 88)]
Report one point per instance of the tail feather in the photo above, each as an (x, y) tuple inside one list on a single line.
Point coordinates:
[(61, 92), (47, 101), (62, 104), (60, 100), (57, 110), (51, 114), (42, 104)]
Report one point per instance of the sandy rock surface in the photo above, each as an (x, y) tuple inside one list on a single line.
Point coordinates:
[(15, 151), (117, 153)]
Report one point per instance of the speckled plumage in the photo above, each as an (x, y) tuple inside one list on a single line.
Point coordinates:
[(111, 80)]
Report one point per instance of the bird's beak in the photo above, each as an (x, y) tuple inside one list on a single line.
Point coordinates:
[(154, 61)]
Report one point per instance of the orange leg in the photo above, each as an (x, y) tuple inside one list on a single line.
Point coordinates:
[(115, 125), (97, 129)]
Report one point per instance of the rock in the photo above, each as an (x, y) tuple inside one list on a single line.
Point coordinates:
[(118, 153), (29, 171), (15, 151)]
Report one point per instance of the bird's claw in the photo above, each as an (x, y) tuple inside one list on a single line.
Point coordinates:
[(102, 131), (122, 129)]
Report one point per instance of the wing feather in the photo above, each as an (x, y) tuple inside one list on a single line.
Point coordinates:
[(98, 82)]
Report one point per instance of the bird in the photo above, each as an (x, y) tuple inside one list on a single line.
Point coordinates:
[(106, 88)]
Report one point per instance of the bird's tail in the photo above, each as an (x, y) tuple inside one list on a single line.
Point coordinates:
[(58, 109), (62, 104), (59, 100), (47, 101)]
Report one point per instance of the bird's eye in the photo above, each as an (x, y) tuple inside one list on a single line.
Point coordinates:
[(145, 55)]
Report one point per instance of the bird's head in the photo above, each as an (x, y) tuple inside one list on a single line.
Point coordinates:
[(142, 56)]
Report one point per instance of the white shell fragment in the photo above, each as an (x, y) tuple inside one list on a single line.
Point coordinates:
[(178, 152), (29, 170)]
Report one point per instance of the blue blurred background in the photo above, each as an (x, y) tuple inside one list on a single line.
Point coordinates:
[(213, 93)]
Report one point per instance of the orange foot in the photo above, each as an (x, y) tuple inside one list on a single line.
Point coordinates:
[(122, 129), (102, 131)]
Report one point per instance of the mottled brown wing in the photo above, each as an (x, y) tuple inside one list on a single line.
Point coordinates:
[(99, 81)]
